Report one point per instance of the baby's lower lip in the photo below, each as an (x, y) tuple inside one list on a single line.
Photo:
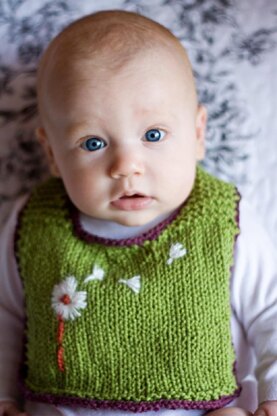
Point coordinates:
[(130, 203)]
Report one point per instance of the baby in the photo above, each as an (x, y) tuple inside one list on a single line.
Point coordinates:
[(127, 254)]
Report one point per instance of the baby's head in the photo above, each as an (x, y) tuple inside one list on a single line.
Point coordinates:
[(120, 121)]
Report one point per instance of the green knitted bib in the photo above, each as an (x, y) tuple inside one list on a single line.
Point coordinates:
[(137, 327)]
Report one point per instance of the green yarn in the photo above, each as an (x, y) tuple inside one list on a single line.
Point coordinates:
[(171, 340)]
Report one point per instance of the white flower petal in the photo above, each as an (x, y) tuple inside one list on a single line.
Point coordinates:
[(182, 253), (79, 300), (68, 287), (134, 283), (73, 313), (66, 313), (97, 274), (176, 251), (57, 293)]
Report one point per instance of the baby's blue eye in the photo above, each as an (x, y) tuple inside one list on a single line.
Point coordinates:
[(154, 135), (93, 143)]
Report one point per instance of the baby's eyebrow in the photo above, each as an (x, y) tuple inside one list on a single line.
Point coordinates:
[(152, 117), (157, 111), (75, 127)]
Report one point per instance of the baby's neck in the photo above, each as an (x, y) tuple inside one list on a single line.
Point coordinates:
[(112, 230)]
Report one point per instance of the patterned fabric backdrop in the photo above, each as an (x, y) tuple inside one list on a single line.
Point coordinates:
[(233, 48)]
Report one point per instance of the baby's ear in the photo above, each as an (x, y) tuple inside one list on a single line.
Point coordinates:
[(43, 140), (201, 122)]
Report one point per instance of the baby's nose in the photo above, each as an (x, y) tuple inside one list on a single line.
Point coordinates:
[(126, 164)]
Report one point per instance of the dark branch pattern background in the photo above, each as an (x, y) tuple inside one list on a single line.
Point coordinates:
[(232, 45)]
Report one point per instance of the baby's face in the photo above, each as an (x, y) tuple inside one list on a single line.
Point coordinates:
[(126, 144)]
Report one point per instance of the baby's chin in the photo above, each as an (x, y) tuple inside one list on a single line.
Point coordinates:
[(143, 219), (135, 219), (128, 222)]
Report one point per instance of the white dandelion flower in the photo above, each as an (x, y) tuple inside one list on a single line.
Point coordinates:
[(66, 300), (97, 274), (134, 283), (176, 251)]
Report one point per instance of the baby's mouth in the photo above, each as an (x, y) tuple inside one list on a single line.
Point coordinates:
[(132, 196), (132, 202)]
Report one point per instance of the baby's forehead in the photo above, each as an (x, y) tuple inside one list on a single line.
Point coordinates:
[(110, 38), (106, 43), (120, 32)]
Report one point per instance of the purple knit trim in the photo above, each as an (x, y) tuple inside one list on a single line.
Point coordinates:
[(136, 407), (22, 371), (16, 234), (151, 234)]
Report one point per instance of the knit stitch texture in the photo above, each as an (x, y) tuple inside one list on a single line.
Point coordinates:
[(169, 339)]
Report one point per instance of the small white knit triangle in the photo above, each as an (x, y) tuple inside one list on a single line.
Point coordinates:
[(134, 283), (97, 274), (176, 251)]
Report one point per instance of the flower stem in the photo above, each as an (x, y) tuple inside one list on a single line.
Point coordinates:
[(60, 357)]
